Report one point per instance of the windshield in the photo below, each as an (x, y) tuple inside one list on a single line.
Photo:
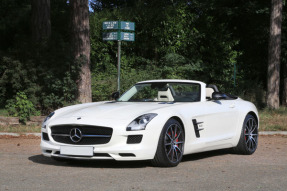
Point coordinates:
[(162, 92)]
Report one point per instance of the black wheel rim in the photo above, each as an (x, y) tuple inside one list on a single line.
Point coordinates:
[(251, 134), (174, 142)]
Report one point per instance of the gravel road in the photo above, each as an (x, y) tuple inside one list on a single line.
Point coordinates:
[(22, 167)]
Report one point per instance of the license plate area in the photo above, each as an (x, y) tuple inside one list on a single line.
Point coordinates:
[(76, 151)]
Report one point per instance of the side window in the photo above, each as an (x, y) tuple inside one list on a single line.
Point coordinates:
[(186, 92)]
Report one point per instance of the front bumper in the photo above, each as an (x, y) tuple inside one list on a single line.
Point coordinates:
[(117, 148)]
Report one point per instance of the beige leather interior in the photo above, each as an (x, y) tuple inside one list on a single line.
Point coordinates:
[(209, 92), (165, 96)]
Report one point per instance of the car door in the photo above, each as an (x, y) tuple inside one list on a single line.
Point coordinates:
[(215, 121)]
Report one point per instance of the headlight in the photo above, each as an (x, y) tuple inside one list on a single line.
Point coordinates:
[(49, 116), (140, 122)]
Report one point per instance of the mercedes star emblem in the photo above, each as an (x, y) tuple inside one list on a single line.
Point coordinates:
[(75, 135)]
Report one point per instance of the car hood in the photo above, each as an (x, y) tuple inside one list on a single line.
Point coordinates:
[(113, 110)]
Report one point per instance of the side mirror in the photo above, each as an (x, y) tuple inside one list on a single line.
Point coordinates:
[(218, 96), (116, 95)]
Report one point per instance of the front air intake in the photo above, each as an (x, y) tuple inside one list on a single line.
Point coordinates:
[(127, 154), (134, 139), (45, 136)]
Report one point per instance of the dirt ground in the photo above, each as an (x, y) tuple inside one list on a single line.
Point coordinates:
[(22, 167)]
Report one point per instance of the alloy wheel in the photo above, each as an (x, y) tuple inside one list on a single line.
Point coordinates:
[(174, 142), (251, 134)]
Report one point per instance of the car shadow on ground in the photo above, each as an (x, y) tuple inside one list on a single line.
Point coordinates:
[(40, 159), (207, 154)]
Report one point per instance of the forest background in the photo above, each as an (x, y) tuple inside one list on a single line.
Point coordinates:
[(222, 42)]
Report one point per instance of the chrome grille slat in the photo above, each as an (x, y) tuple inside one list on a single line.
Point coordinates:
[(64, 135), (67, 135), (96, 136)]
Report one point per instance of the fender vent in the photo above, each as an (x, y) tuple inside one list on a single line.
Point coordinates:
[(196, 129)]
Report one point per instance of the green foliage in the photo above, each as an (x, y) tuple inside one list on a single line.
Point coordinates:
[(15, 77), (200, 40), (4, 112), (44, 71), (175, 66), (21, 107), (184, 41)]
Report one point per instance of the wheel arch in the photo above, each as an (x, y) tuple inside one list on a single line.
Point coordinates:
[(254, 115), (179, 120)]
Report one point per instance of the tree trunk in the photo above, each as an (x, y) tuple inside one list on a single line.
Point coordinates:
[(273, 76), (284, 99), (41, 24), (81, 46)]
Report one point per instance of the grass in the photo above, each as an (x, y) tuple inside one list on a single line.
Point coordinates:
[(3, 112), (273, 120), (21, 129)]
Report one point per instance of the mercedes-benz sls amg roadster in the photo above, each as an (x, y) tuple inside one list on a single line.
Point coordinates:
[(157, 120)]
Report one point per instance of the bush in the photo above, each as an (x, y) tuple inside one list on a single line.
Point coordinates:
[(21, 107)]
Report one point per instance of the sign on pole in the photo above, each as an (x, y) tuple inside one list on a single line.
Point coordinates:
[(110, 36), (108, 25), (118, 32), (127, 36), (130, 26), (123, 36), (119, 25)]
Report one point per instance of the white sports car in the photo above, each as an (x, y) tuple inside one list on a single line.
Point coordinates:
[(158, 120)]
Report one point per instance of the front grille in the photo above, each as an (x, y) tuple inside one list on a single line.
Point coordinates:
[(134, 139), (91, 135)]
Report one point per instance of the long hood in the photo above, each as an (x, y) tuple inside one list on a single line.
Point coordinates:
[(112, 110)]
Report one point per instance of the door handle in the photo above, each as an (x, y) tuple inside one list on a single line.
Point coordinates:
[(232, 105)]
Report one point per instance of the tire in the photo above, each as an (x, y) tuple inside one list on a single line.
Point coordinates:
[(170, 146), (248, 141)]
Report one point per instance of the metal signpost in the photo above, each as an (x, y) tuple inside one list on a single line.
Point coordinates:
[(118, 32)]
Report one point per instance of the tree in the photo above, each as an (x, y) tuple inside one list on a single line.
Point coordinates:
[(284, 97), (273, 75), (284, 57), (81, 47), (41, 24)]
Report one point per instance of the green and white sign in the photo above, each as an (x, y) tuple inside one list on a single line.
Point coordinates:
[(130, 26), (127, 36), (110, 36), (119, 25), (123, 36), (110, 25)]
